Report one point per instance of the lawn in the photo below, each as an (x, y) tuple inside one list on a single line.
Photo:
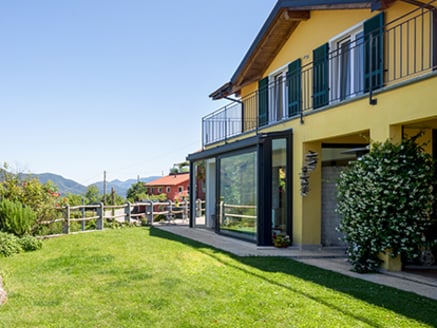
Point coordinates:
[(144, 277)]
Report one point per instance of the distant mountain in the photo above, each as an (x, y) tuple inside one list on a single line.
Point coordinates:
[(69, 186), (121, 187), (64, 185)]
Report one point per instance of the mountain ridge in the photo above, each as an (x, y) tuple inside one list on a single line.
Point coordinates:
[(70, 186)]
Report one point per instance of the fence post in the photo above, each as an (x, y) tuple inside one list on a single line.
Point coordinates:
[(149, 212), (101, 214), (83, 215), (170, 212), (198, 208), (66, 228), (221, 211), (127, 211), (185, 213)]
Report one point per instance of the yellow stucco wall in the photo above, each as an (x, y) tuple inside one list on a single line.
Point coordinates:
[(412, 106)]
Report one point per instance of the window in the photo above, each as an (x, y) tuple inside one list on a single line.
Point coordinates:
[(347, 62), (238, 194), (357, 59), (168, 189), (278, 96), (180, 189), (159, 190)]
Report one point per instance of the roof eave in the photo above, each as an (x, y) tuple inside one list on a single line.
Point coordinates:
[(281, 23)]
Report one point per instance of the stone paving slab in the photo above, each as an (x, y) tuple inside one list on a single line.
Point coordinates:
[(325, 258)]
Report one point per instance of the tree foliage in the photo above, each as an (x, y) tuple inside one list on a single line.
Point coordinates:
[(385, 200), (137, 192), (16, 218), (43, 199)]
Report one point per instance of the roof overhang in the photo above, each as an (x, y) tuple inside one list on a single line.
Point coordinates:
[(281, 23)]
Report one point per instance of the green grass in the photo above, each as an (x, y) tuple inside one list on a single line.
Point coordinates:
[(143, 277)]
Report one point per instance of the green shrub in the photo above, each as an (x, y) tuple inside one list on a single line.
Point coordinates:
[(29, 243), (16, 218), (9, 244), (385, 200)]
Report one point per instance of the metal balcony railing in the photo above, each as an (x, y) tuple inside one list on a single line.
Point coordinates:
[(407, 48)]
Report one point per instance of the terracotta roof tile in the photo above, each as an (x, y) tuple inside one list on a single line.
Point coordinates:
[(170, 180)]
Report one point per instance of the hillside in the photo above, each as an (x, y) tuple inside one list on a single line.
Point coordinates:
[(64, 185), (69, 186)]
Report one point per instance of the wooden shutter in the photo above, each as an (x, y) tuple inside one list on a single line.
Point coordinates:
[(294, 88), (320, 76), (374, 52), (263, 101)]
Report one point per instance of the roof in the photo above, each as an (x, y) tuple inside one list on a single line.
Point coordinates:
[(170, 180), (281, 23)]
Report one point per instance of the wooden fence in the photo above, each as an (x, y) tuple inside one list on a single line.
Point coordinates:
[(144, 213)]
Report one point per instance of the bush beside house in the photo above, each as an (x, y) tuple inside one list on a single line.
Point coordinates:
[(385, 199)]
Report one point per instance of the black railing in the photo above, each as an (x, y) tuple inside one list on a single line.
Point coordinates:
[(404, 49)]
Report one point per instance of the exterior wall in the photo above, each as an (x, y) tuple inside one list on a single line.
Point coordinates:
[(314, 32), (174, 190), (407, 107)]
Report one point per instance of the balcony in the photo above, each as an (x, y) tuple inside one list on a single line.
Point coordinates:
[(357, 64)]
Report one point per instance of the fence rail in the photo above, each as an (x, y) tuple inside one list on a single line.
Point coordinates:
[(144, 213)]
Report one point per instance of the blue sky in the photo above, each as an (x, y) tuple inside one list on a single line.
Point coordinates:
[(120, 86)]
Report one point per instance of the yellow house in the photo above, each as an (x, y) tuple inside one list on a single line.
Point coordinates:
[(321, 80)]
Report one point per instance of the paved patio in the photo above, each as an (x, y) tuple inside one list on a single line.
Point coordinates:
[(332, 259)]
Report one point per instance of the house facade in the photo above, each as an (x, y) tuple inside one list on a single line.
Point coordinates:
[(321, 80), (175, 186)]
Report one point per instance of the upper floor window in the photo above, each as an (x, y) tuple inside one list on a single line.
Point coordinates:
[(180, 189), (278, 95), (168, 189), (347, 63)]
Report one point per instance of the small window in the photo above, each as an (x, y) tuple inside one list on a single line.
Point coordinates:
[(159, 190), (168, 189), (180, 189)]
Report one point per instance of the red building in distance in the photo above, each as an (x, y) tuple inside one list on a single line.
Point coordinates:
[(175, 186)]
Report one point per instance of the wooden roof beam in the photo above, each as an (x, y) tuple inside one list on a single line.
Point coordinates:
[(296, 15)]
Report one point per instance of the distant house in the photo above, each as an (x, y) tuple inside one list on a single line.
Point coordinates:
[(175, 186)]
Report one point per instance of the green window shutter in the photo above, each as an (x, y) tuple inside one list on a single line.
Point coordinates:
[(294, 88), (263, 101), (320, 76), (374, 52)]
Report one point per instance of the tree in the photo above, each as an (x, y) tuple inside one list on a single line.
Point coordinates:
[(183, 167), (92, 195), (43, 199), (137, 192), (385, 200)]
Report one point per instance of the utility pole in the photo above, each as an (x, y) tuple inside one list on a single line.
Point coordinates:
[(104, 186)]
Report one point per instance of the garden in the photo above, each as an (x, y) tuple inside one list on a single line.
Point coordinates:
[(146, 277)]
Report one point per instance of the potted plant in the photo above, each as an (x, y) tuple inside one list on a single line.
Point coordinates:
[(280, 240)]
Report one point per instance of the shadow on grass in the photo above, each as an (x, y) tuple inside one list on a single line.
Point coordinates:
[(408, 304)]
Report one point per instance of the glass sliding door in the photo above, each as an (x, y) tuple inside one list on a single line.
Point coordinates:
[(237, 208), (279, 185)]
